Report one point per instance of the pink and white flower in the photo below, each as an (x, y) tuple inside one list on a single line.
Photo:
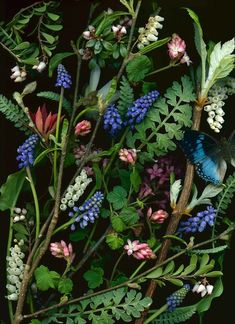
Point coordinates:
[(140, 251)]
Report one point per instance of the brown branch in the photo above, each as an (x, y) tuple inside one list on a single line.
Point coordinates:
[(179, 209)]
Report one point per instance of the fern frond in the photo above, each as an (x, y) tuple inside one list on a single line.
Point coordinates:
[(56, 97), (14, 114), (224, 199), (214, 250), (126, 96)]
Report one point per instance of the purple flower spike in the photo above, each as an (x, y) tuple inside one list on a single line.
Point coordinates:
[(63, 78), (26, 152)]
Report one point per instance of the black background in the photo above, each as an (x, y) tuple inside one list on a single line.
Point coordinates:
[(217, 19)]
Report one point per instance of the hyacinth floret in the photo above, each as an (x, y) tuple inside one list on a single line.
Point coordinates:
[(63, 77), (88, 212), (112, 120), (26, 152), (199, 222), (175, 299), (137, 112)]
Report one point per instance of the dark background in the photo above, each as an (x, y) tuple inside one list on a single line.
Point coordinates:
[(217, 19)]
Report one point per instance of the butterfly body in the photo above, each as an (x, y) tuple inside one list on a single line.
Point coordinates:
[(209, 156)]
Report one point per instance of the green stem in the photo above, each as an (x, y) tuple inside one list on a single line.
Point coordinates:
[(82, 113), (36, 204), (156, 314), (170, 65), (90, 238), (115, 268), (57, 135)]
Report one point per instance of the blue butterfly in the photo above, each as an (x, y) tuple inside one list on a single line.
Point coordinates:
[(209, 155)]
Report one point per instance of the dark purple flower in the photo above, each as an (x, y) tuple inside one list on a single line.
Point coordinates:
[(63, 77)]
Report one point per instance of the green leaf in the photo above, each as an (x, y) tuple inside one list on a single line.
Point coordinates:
[(29, 88), (204, 260), (54, 27), (169, 268), (53, 16), (118, 224), (191, 267), (117, 197), (65, 285), (176, 282), (50, 39), (126, 96), (129, 216), (154, 45), (94, 277), (56, 97), (179, 315), (205, 303), (45, 278), (135, 179), (78, 235), (138, 68), (20, 228), (11, 189), (114, 241), (213, 274), (155, 274), (22, 46), (56, 60)]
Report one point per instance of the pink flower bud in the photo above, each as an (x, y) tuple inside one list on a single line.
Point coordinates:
[(176, 47), (158, 216), (87, 34), (62, 250), (140, 251), (83, 128), (128, 155), (185, 59)]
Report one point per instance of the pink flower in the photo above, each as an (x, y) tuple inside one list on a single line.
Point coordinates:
[(176, 47), (140, 251), (62, 250), (128, 155), (155, 171), (158, 216), (83, 128), (186, 59), (145, 190)]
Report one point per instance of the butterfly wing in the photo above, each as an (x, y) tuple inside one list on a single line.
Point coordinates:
[(205, 153), (232, 148)]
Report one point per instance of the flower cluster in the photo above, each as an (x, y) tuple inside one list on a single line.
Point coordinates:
[(140, 251), (149, 33), (203, 289), (15, 269), (18, 74), (19, 214), (40, 66), (119, 31), (158, 216), (62, 250), (177, 50), (136, 113), (88, 212), (128, 155), (112, 120), (63, 78), (175, 299), (83, 128), (74, 192), (199, 222), (156, 180), (26, 152)]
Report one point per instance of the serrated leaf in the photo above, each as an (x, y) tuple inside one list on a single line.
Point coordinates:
[(117, 197), (45, 278), (94, 277), (65, 285), (138, 68), (129, 216), (114, 241), (118, 224)]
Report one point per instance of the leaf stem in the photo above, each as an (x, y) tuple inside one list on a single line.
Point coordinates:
[(156, 314), (170, 65), (35, 198), (115, 268)]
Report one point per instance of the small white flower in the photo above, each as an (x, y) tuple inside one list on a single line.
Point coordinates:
[(209, 289), (195, 287), (87, 34), (204, 292), (201, 288), (210, 121), (219, 119), (123, 30), (211, 114), (15, 68), (152, 38), (115, 29)]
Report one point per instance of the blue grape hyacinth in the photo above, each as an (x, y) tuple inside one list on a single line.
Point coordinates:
[(26, 152), (88, 212), (112, 120), (136, 113), (199, 222), (63, 77), (175, 299)]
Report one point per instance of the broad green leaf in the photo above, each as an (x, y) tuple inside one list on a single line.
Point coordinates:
[(169, 268), (114, 241), (118, 224), (56, 60), (45, 278), (11, 189), (155, 274), (50, 39), (117, 197), (65, 285), (176, 282), (129, 216), (204, 260), (94, 277), (179, 270), (205, 303), (22, 46), (213, 274), (53, 16), (138, 68)]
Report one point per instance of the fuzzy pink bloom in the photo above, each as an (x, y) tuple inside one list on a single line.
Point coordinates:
[(176, 47), (62, 250), (158, 216), (128, 155), (83, 128), (140, 251)]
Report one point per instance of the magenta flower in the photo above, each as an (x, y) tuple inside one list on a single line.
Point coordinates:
[(158, 216), (155, 172), (140, 251), (83, 128), (145, 190), (176, 47), (128, 155), (62, 250)]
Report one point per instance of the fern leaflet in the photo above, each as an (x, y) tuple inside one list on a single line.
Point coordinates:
[(126, 96), (226, 196), (56, 97)]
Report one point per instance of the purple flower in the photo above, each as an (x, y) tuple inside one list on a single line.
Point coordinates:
[(63, 78), (136, 113), (199, 222), (26, 152), (112, 120), (175, 299)]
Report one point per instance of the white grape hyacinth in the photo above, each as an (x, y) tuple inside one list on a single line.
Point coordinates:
[(15, 270), (75, 191), (217, 95)]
